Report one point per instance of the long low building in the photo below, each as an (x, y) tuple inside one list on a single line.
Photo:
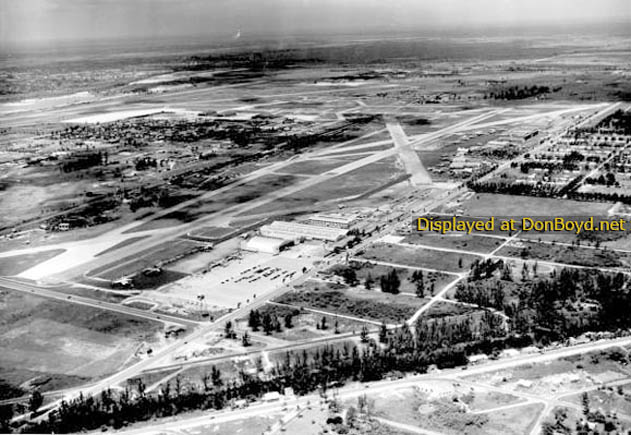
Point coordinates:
[(332, 221), (295, 231), (268, 245)]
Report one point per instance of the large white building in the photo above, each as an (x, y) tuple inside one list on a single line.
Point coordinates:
[(332, 221), (295, 231), (267, 245)]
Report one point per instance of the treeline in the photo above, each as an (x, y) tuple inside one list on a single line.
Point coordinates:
[(601, 197), (444, 344), (568, 303), (602, 180), (618, 122), (519, 93), (83, 160), (512, 188)]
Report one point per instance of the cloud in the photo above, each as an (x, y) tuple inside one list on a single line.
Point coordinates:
[(81, 19)]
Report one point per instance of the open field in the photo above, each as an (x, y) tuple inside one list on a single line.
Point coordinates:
[(159, 257), (51, 345), (408, 256), (305, 324), (19, 263), (446, 407), (442, 309), (122, 244), (454, 240), (432, 281), (560, 377), (365, 304), (566, 254), (312, 167)]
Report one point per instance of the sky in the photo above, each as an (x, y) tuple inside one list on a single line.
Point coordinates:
[(46, 20)]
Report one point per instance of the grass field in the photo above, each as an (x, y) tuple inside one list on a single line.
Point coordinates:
[(487, 204), (363, 269), (52, 345), (212, 233), (122, 244), (441, 406), (312, 167), (131, 265), (447, 309), (365, 304), (305, 323), (456, 240), (408, 256), (566, 254), (19, 263)]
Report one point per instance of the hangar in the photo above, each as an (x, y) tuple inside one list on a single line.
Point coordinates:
[(268, 245)]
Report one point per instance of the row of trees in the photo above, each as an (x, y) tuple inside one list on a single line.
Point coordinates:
[(517, 92), (443, 342)]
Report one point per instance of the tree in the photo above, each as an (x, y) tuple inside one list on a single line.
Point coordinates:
[(390, 282), (368, 282), (420, 288), (585, 402), (245, 339), (460, 263), (364, 334), (419, 282), (229, 331), (268, 324), (215, 377), (206, 381), (6, 414), (383, 333), (254, 320), (35, 401), (351, 416), (288, 321), (323, 324)]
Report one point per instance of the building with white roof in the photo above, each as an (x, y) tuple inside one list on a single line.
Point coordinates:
[(296, 231), (332, 221)]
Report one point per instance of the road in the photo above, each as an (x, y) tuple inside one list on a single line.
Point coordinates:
[(355, 390), (21, 286)]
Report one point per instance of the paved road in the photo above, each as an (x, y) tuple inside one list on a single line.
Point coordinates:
[(356, 390)]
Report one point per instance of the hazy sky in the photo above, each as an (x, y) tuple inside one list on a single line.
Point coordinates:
[(41, 20)]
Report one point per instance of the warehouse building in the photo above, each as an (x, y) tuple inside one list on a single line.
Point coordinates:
[(267, 245), (293, 231), (332, 221)]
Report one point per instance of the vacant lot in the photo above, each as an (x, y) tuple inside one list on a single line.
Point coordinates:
[(312, 167), (456, 240), (443, 407), (122, 244), (53, 345), (305, 324), (213, 233), (447, 309), (487, 204), (428, 258), (432, 281), (160, 256), (365, 304), (19, 263), (566, 254)]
